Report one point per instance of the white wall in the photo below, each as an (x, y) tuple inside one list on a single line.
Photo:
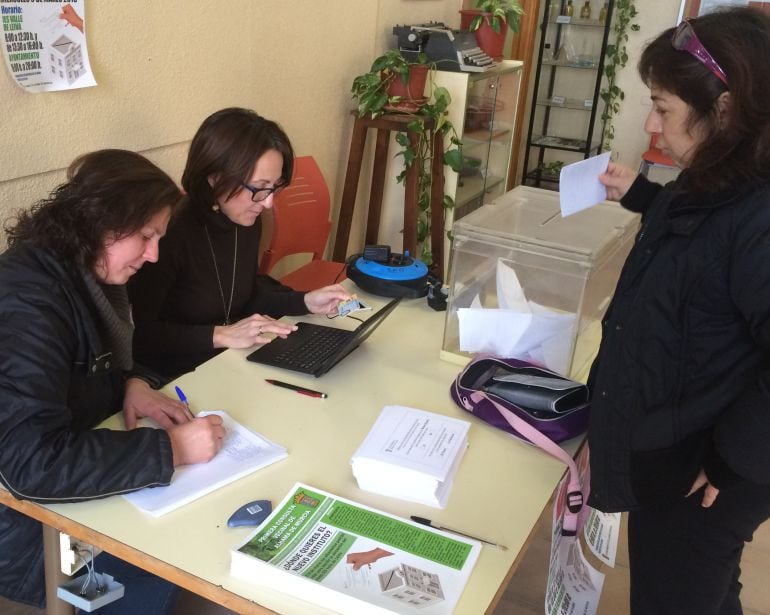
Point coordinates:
[(162, 67), (630, 139)]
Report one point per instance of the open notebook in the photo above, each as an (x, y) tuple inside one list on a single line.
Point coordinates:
[(243, 452), (315, 349)]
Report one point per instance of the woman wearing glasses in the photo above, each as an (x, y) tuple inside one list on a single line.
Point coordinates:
[(205, 294), (680, 423)]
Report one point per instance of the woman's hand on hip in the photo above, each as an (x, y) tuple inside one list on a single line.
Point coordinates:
[(709, 494), (249, 331)]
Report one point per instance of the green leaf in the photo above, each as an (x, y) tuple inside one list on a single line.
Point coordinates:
[(415, 126), (454, 159), (475, 23)]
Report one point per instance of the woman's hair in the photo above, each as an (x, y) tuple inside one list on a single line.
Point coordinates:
[(736, 144), (225, 151), (109, 192)]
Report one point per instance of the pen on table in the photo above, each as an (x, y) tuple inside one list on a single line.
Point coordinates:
[(183, 398), (429, 523), (300, 390)]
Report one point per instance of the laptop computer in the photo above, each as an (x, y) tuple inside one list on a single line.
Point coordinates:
[(315, 349)]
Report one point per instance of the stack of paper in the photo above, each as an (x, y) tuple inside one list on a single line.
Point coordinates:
[(352, 559), (412, 455), (243, 452)]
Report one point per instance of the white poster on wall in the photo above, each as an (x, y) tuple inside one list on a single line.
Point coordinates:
[(44, 44)]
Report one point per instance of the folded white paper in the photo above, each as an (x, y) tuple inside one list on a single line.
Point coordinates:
[(579, 185), (517, 328)]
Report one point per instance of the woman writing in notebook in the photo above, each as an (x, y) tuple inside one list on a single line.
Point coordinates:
[(680, 419), (206, 294), (66, 365)]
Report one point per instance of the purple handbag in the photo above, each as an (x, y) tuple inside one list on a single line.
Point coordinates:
[(554, 405), (556, 410)]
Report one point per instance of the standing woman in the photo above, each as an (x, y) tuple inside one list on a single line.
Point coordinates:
[(66, 365), (206, 293), (680, 423)]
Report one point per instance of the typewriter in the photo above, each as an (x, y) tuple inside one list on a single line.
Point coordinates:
[(448, 49)]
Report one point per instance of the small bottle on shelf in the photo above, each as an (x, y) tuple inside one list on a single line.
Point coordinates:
[(568, 9), (603, 13), (554, 10), (585, 12)]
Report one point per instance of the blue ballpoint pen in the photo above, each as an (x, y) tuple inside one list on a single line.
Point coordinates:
[(182, 397)]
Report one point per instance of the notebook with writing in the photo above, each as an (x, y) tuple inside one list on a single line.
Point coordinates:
[(315, 349)]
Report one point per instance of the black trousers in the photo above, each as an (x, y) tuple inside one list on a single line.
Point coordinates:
[(685, 559)]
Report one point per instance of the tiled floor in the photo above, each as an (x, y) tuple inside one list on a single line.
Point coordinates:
[(526, 592)]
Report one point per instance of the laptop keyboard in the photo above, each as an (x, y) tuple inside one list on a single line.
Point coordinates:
[(318, 345)]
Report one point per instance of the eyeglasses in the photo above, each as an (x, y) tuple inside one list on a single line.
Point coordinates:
[(685, 39), (260, 194)]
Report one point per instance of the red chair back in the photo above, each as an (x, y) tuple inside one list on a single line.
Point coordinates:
[(300, 216)]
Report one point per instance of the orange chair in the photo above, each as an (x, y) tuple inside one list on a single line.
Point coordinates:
[(654, 156), (301, 225)]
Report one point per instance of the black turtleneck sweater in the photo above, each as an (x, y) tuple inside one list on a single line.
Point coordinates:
[(177, 301)]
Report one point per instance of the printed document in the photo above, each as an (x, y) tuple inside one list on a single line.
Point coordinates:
[(242, 453), (352, 559)]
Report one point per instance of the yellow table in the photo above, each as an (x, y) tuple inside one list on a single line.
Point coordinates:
[(499, 493)]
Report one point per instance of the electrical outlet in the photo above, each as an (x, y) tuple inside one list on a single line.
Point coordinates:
[(74, 553)]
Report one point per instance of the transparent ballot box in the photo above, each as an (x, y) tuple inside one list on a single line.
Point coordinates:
[(525, 282)]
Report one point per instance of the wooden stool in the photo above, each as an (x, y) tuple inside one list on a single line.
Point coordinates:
[(384, 125)]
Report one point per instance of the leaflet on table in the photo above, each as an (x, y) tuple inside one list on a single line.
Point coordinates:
[(411, 454), (243, 452), (353, 559)]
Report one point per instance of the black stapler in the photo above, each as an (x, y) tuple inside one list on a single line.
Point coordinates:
[(448, 49)]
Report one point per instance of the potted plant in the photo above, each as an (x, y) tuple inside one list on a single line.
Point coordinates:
[(392, 84), (488, 23), (377, 92)]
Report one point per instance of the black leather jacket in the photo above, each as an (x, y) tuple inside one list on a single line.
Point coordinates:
[(682, 378), (56, 384)]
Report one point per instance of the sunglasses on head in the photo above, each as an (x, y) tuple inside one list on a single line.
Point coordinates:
[(685, 39)]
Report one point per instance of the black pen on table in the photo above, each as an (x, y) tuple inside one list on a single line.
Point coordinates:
[(429, 523), (298, 389)]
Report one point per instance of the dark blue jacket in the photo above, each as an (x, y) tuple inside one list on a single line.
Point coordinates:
[(682, 378), (56, 383)]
